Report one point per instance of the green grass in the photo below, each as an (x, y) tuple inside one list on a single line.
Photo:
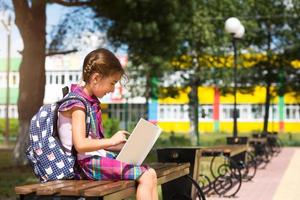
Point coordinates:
[(183, 139), (12, 176)]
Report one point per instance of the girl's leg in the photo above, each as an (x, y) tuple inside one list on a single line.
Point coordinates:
[(154, 189), (147, 186)]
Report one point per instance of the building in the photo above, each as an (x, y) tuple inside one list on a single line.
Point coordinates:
[(170, 113)]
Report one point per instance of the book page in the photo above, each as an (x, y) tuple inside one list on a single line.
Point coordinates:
[(139, 143)]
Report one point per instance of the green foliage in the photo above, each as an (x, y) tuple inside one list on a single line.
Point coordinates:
[(151, 31), (111, 126), (13, 126), (151, 28)]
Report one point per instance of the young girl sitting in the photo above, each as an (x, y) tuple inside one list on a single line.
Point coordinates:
[(101, 71)]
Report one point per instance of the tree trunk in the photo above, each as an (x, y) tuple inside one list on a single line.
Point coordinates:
[(267, 107), (194, 113), (22, 143), (31, 22)]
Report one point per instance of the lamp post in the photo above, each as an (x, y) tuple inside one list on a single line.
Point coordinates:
[(237, 30)]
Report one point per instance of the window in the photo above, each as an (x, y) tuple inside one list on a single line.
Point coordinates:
[(244, 113), (50, 79), (62, 79), (175, 112), (225, 112), (14, 80), (181, 112), (291, 112), (237, 112), (209, 113), (274, 112), (257, 111), (56, 79), (161, 112)]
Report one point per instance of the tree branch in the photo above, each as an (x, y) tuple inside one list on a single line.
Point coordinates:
[(73, 2), (52, 53)]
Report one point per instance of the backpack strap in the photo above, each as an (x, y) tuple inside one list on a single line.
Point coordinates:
[(67, 97), (72, 96)]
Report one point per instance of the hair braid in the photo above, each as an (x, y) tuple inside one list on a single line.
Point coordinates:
[(101, 61)]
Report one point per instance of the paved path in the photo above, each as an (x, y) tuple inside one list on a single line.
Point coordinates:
[(279, 180)]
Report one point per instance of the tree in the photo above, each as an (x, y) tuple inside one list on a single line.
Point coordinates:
[(31, 21), (205, 49), (151, 32), (270, 34)]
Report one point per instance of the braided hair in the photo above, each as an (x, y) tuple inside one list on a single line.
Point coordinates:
[(101, 61)]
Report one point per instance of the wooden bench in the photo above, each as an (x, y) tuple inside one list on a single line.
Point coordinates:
[(261, 150), (88, 189), (226, 150)]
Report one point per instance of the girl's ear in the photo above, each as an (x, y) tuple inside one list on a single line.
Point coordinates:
[(96, 77)]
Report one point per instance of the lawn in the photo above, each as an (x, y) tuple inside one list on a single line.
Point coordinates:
[(12, 175)]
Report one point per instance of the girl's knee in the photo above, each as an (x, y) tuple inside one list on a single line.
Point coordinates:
[(153, 175), (148, 177)]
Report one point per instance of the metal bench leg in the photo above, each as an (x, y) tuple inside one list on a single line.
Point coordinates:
[(187, 196)]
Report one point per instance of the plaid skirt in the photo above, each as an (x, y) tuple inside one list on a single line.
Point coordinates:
[(108, 168)]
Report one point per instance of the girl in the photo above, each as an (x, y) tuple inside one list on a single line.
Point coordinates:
[(101, 71)]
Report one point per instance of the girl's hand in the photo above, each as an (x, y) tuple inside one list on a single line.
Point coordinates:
[(119, 137), (115, 148)]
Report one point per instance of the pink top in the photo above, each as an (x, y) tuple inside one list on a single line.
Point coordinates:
[(65, 123)]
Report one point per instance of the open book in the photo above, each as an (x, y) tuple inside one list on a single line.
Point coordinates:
[(139, 143)]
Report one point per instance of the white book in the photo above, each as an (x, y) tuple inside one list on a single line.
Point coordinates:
[(139, 143)]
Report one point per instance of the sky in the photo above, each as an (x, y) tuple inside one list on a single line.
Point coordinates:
[(54, 14)]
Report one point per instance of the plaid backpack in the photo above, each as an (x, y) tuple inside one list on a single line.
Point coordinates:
[(45, 151)]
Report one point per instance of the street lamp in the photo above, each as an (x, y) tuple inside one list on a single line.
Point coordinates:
[(237, 30)]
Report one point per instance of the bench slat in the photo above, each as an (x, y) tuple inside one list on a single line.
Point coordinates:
[(228, 150), (162, 165), (172, 176), (77, 188), (53, 189), (108, 188), (30, 188), (168, 169), (126, 193)]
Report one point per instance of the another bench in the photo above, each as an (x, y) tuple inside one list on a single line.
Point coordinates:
[(261, 150), (227, 176), (90, 190)]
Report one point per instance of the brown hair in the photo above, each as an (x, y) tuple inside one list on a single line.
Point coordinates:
[(101, 61)]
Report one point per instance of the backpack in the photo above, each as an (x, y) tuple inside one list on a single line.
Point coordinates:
[(45, 152)]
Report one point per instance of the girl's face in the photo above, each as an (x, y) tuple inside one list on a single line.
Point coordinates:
[(100, 86)]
